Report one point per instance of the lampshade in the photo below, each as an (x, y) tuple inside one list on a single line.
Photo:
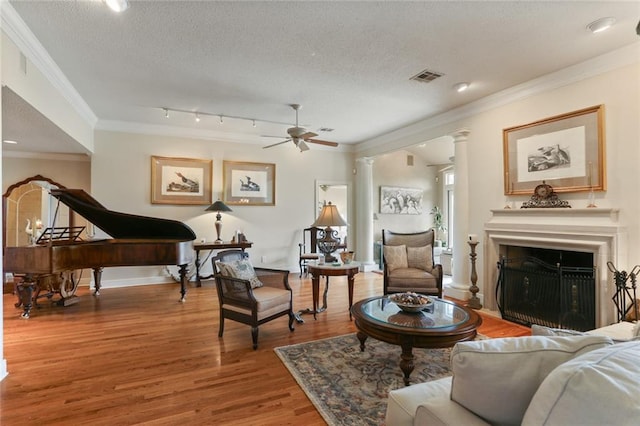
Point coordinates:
[(329, 216), (218, 206)]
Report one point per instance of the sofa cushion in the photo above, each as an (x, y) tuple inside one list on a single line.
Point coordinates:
[(597, 388), (395, 257), (402, 403), (420, 257), (488, 373), (240, 269)]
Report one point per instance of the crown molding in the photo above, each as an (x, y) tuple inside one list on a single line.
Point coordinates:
[(45, 156), (16, 29), (414, 133)]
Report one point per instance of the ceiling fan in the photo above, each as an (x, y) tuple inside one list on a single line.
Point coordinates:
[(301, 136)]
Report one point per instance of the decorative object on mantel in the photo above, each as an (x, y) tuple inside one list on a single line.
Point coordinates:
[(544, 197), (473, 302)]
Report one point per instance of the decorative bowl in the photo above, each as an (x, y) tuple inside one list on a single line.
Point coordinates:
[(411, 302), (346, 257)]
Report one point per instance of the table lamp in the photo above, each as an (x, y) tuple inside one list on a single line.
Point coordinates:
[(329, 242), (218, 206)]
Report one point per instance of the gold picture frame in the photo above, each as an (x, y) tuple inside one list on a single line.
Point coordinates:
[(249, 184), (566, 151), (184, 181)]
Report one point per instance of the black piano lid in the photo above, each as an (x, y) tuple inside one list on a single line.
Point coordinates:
[(122, 225)]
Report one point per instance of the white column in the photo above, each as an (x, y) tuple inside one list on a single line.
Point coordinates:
[(364, 212), (460, 283)]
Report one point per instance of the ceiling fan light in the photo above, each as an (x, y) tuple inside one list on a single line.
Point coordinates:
[(117, 5), (601, 24)]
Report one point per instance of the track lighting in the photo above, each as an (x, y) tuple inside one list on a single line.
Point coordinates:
[(199, 114)]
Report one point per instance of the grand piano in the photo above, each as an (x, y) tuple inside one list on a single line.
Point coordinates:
[(137, 241)]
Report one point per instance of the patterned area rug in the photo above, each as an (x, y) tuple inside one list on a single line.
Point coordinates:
[(349, 387)]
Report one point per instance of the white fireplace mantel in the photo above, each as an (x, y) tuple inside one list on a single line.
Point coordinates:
[(591, 230)]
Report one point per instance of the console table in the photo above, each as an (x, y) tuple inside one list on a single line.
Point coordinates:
[(214, 246)]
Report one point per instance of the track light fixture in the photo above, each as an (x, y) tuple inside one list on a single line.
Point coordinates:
[(221, 117)]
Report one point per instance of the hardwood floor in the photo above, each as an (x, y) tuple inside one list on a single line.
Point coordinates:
[(137, 356)]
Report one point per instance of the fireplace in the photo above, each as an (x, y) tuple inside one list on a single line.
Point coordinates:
[(554, 288), (592, 234)]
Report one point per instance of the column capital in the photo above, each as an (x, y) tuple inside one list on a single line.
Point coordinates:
[(365, 160), (460, 135)]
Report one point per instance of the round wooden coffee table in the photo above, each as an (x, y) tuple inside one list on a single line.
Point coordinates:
[(441, 325)]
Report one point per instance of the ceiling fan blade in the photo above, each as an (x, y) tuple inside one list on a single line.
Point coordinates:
[(276, 144), (307, 135), (271, 136), (321, 142)]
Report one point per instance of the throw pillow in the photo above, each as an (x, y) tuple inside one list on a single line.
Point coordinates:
[(489, 373), (420, 257), (395, 256), (598, 388), (240, 269)]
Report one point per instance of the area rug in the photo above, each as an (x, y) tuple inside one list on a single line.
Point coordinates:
[(349, 387)]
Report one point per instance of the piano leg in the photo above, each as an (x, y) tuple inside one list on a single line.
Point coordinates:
[(97, 276), (25, 290), (183, 282)]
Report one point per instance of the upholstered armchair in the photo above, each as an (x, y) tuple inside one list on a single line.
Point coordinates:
[(408, 263), (252, 296)]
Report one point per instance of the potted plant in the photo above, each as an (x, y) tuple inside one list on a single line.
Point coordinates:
[(438, 224)]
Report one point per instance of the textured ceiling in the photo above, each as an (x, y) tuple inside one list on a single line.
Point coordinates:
[(348, 63)]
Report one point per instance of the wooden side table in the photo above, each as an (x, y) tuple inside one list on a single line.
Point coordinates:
[(329, 270), (214, 246)]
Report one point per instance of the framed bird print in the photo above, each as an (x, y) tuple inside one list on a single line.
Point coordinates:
[(180, 181), (565, 151)]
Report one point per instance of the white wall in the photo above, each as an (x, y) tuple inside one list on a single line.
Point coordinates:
[(618, 90), (121, 177)]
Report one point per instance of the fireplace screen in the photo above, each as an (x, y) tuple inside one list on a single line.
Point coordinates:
[(530, 291)]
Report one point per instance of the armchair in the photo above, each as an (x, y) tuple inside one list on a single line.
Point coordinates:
[(308, 251), (408, 263), (252, 296)]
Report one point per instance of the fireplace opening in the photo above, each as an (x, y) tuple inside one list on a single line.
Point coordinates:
[(554, 288)]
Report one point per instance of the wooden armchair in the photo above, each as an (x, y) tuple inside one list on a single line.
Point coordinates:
[(410, 268), (240, 300), (308, 250)]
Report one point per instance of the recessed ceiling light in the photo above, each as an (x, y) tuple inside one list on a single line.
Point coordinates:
[(601, 24), (461, 87), (10, 142), (117, 5)]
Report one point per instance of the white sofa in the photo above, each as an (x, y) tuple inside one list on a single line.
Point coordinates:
[(533, 380)]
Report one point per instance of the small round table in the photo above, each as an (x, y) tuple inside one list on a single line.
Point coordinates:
[(330, 270), (441, 325)]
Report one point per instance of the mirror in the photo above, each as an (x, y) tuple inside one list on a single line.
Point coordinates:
[(338, 193), (29, 210)]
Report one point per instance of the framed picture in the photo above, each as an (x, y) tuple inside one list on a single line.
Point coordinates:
[(249, 184), (395, 200), (180, 180), (565, 151)]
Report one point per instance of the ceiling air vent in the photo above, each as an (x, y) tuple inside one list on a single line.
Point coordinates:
[(426, 76)]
